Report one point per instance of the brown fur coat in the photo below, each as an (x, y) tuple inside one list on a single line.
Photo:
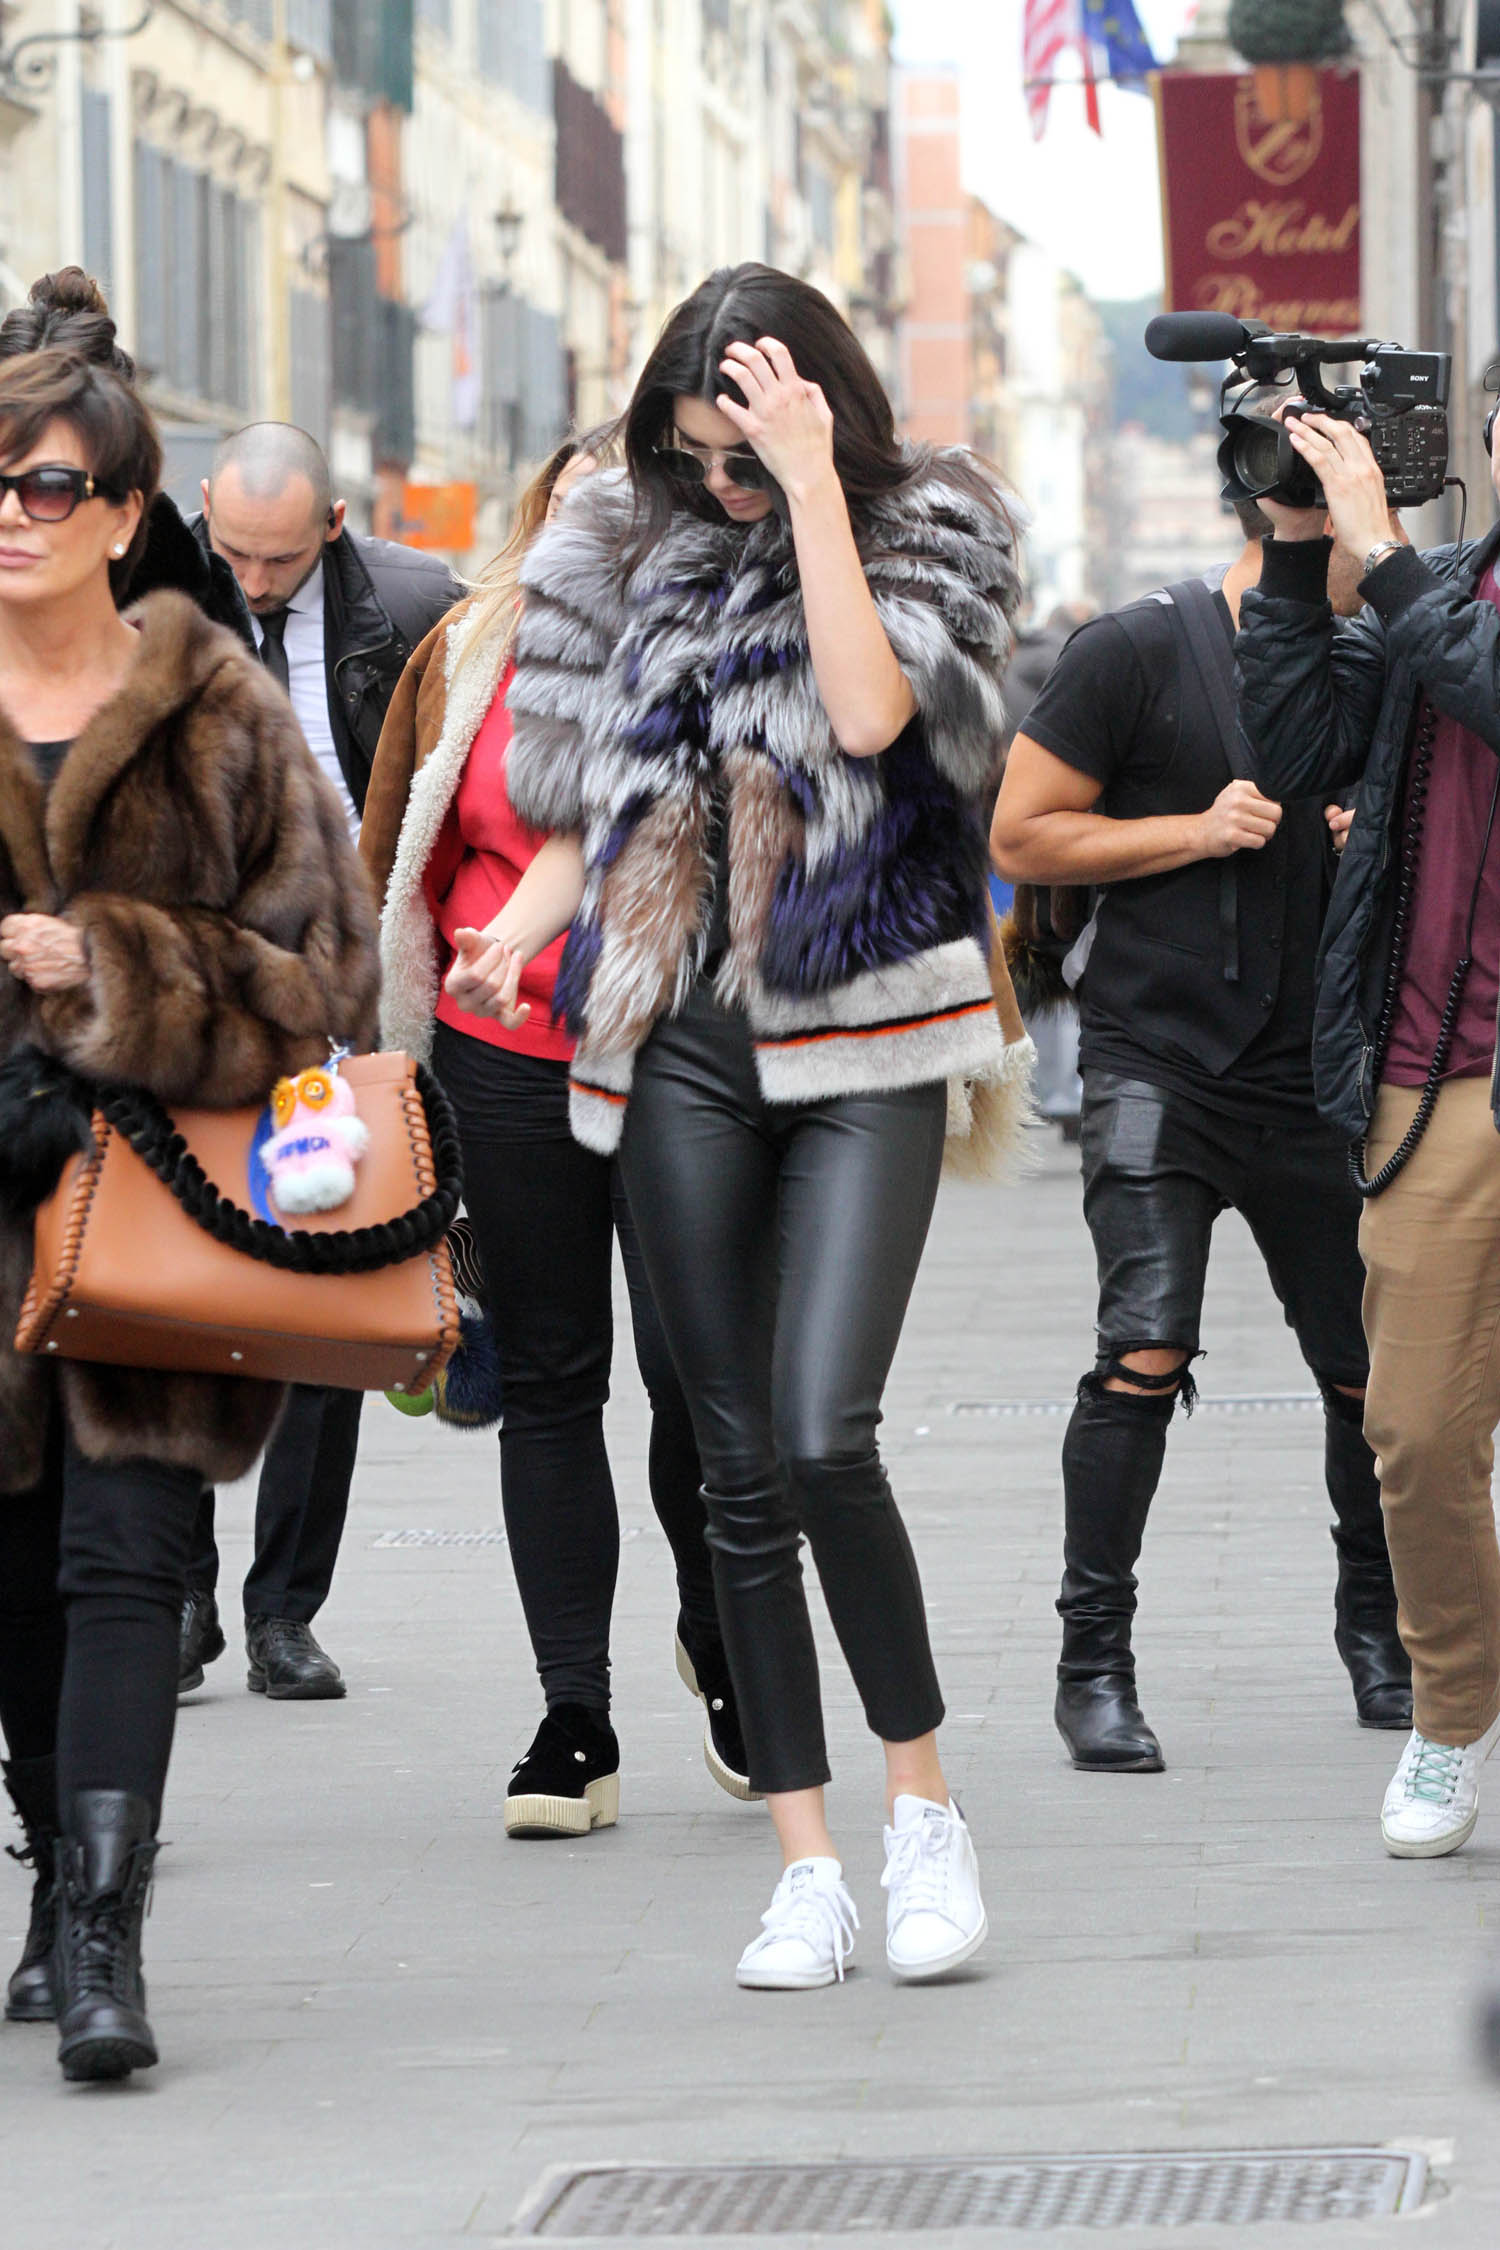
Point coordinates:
[(191, 838)]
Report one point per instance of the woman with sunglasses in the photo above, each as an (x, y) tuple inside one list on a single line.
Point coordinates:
[(180, 910), (446, 851), (757, 696)]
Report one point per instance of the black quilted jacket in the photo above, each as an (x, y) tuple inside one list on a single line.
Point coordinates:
[(1327, 706)]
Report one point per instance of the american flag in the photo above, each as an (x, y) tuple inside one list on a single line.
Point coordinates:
[(1048, 29)]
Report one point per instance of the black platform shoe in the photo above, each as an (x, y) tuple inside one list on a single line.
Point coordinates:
[(32, 1783), (569, 1780), (200, 1637), (704, 1672), (287, 1665), (105, 1857)]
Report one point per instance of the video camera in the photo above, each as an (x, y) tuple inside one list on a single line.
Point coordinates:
[(1400, 404)]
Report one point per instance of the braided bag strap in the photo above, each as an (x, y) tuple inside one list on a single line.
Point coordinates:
[(142, 1121)]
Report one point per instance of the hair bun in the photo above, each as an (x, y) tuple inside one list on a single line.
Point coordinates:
[(66, 311), (69, 290)]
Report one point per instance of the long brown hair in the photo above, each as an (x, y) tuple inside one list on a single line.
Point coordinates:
[(496, 601), (740, 304)]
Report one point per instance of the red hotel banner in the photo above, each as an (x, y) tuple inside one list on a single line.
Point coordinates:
[(1261, 217)]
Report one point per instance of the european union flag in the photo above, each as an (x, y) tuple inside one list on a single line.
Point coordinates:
[(1114, 26)]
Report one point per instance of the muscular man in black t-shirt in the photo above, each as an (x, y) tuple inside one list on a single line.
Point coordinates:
[(1195, 1006)]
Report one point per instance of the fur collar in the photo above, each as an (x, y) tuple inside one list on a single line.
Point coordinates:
[(179, 655), (408, 947)]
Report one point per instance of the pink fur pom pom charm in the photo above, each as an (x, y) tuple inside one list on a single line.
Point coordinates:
[(319, 1138)]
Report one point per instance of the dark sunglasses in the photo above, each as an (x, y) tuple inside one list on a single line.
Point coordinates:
[(694, 464), (51, 493)]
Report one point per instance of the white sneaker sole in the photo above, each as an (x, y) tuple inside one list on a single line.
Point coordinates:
[(924, 1972), (752, 1979), (733, 1784), (1430, 1847), (598, 1807)]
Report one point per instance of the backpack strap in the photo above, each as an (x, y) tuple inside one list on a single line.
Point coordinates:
[(1201, 646)]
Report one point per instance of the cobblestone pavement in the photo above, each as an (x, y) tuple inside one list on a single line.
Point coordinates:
[(381, 2021)]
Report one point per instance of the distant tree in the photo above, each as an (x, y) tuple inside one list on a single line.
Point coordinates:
[(1146, 391)]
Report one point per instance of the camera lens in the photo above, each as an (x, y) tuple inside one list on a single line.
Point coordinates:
[(1256, 455)]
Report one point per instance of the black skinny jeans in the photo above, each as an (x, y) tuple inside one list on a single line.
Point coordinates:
[(545, 1213), (782, 1244), (93, 1562)]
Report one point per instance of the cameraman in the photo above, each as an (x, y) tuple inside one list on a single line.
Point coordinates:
[(1405, 702), (1196, 1015)]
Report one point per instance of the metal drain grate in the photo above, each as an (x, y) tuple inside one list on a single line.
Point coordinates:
[(1013, 1409), (1226, 2187), (492, 1538)]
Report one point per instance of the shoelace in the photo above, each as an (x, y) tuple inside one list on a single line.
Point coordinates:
[(917, 1865), (1435, 1773), (819, 1917)]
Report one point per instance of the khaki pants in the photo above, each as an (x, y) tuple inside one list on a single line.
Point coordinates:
[(1431, 1246)]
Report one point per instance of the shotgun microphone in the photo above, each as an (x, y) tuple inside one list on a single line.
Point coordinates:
[(1196, 336)]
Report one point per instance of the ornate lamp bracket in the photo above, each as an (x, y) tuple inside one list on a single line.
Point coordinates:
[(30, 66)]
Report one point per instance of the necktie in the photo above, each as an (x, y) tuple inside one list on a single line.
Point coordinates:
[(272, 623)]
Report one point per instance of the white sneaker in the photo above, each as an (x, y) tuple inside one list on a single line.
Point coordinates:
[(934, 1916), (808, 1931), (1433, 1801)]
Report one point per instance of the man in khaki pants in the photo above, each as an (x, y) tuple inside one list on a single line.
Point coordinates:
[(1405, 704)]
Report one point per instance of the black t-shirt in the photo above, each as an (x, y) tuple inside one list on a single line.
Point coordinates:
[(1114, 707)]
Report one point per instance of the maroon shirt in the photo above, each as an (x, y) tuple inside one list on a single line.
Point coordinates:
[(1462, 783)]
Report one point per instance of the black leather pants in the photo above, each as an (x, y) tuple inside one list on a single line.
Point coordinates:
[(782, 1244)]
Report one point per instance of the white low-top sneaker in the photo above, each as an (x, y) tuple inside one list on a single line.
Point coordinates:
[(935, 1916), (807, 1931), (1433, 1801)]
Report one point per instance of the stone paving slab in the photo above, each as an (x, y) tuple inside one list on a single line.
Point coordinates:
[(381, 2022)]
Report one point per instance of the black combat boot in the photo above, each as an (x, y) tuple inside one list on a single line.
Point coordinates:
[(32, 1783), (105, 1856), (1364, 1602), (1112, 1457)]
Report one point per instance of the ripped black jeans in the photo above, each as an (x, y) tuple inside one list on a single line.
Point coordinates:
[(1157, 1171)]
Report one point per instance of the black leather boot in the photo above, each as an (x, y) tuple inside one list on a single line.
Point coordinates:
[(105, 1857), (1364, 1602), (1112, 1457), (32, 1783)]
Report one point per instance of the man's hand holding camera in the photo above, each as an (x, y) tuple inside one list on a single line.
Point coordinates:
[(1358, 511)]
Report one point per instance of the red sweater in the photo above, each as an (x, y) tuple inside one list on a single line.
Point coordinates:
[(481, 853)]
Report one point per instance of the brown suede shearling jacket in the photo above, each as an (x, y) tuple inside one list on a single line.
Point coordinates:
[(231, 935)]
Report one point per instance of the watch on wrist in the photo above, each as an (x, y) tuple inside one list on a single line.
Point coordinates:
[(1378, 553)]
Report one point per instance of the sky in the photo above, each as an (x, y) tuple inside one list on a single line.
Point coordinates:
[(1093, 202)]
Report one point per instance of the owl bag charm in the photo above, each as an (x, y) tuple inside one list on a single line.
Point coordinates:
[(309, 1159)]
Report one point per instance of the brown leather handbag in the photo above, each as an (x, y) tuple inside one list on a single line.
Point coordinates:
[(143, 1257)]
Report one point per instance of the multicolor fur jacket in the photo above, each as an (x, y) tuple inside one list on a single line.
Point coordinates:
[(858, 935)]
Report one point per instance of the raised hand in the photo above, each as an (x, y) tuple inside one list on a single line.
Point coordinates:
[(788, 421)]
